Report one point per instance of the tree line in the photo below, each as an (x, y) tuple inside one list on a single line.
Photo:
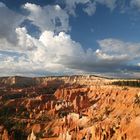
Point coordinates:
[(134, 83)]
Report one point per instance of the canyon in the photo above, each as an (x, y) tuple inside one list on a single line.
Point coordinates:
[(78, 107)]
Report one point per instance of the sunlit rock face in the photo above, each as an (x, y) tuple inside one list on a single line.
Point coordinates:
[(68, 108)]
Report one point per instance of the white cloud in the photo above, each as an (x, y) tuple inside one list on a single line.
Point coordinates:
[(53, 53), (118, 47), (71, 5), (113, 58), (45, 54), (25, 41), (51, 18), (58, 53), (9, 21), (2, 5), (90, 8), (111, 4), (53, 48), (135, 3)]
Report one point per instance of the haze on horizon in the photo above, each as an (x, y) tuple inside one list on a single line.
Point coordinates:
[(62, 37)]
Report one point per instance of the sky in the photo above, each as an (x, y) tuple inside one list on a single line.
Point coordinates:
[(66, 37)]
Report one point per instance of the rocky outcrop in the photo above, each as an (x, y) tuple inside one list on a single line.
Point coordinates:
[(67, 108), (17, 81), (32, 136), (54, 80), (4, 134)]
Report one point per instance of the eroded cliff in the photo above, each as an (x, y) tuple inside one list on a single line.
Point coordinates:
[(69, 108)]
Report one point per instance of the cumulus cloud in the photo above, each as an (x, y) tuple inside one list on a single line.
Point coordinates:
[(24, 40), (9, 21), (111, 4), (57, 53), (2, 5), (53, 18), (45, 57), (118, 47), (71, 5), (122, 54), (89, 6), (135, 3)]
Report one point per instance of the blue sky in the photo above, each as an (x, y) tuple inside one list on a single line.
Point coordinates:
[(60, 37)]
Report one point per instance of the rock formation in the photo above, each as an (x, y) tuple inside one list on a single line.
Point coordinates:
[(68, 108)]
